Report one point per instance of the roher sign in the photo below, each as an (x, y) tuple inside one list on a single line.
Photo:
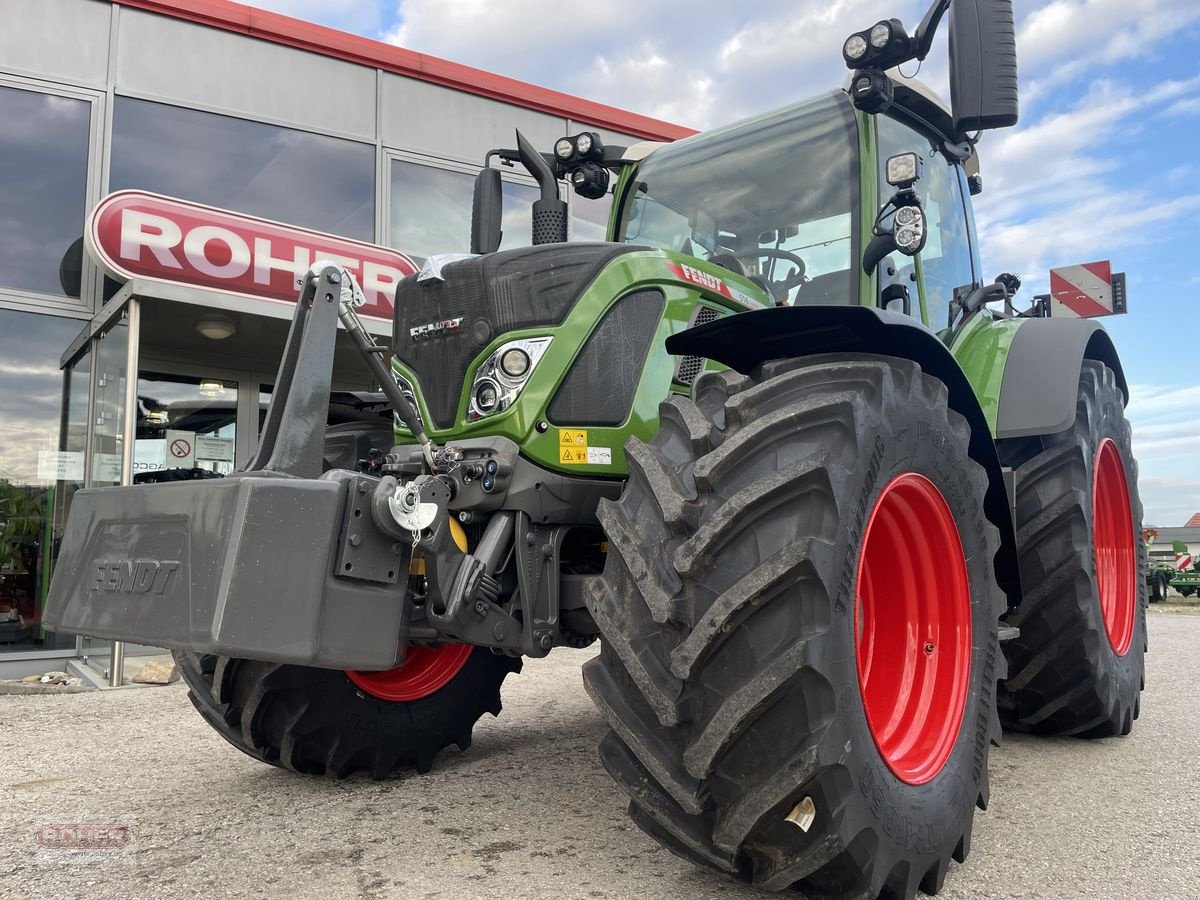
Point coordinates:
[(135, 234)]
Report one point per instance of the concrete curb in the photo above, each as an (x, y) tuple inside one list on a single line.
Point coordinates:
[(18, 689)]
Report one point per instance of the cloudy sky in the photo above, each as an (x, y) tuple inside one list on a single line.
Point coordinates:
[(1104, 164)]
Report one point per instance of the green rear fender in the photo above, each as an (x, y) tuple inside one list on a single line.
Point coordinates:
[(981, 348)]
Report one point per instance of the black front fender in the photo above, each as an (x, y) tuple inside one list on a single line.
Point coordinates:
[(745, 341)]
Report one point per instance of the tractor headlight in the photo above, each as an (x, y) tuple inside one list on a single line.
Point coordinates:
[(514, 363), (903, 169), (880, 35), (501, 377), (563, 148), (590, 180), (910, 230), (583, 144), (487, 395), (406, 388), (855, 47)]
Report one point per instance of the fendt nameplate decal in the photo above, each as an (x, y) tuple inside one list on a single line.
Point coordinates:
[(435, 329), (133, 576)]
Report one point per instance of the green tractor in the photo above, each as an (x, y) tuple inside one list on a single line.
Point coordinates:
[(833, 510)]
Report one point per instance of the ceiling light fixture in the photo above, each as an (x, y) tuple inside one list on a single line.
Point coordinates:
[(217, 328)]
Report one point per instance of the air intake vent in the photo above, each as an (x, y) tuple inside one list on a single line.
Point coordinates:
[(600, 387), (689, 367)]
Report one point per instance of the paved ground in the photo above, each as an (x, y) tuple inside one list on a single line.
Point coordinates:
[(530, 813)]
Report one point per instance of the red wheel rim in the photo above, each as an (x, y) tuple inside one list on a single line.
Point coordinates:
[(1112, 536), (424, 671), (912, 624)]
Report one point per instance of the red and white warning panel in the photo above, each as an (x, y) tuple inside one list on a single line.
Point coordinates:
[(1087, 290)]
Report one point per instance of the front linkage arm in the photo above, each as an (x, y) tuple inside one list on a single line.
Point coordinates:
[(463, 588)]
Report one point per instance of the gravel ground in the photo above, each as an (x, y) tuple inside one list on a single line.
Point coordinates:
[(529, 812)]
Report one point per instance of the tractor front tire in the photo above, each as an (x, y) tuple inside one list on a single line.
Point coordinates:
[(1078, 667), (328, 722), (799, 622)]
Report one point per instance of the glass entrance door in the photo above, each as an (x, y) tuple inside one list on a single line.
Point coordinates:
[(186, 426)]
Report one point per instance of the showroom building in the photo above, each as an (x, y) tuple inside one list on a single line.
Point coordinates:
[(140, 334)]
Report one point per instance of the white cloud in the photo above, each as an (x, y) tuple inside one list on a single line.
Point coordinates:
[(1168, 501), (1166, 443), (1046, 185), (1066, 40), (666, 93), (711, 64), (359, 16), (1188, 107)]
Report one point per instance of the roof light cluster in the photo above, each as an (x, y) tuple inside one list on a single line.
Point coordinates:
[(579, 159), (883, 45)]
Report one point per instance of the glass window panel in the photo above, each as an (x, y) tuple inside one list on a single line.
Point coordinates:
[(72, 436), (34, 466), (186, 427), (108, 416), (43, 183), (589, 218), (431, 211), (279, 173)]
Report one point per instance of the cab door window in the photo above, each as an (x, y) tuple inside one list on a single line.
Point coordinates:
[(946, 258)]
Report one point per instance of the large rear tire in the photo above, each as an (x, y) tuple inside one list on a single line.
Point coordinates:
[(773, 546), (1078, 667), (326, 722)]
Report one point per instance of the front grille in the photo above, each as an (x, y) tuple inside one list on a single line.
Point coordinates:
[(601, 384), (689, 367), (480, 298)]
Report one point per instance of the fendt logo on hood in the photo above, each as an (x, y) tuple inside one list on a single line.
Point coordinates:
[(134, 234)]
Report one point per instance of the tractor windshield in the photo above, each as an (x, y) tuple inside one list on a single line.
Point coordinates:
[(772, 198)]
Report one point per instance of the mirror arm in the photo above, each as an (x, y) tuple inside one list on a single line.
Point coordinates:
[(881, 245), (923, 39), (507, 157), (982, 296)]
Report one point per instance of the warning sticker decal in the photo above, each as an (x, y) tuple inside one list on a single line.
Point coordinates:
[(573, 449), (572, 437), (573, 456)]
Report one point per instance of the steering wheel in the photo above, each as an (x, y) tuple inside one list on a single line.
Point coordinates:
[(781, 287)]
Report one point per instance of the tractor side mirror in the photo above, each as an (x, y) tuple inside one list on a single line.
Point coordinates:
[(908, 229), (486, 211), (983, 65)]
